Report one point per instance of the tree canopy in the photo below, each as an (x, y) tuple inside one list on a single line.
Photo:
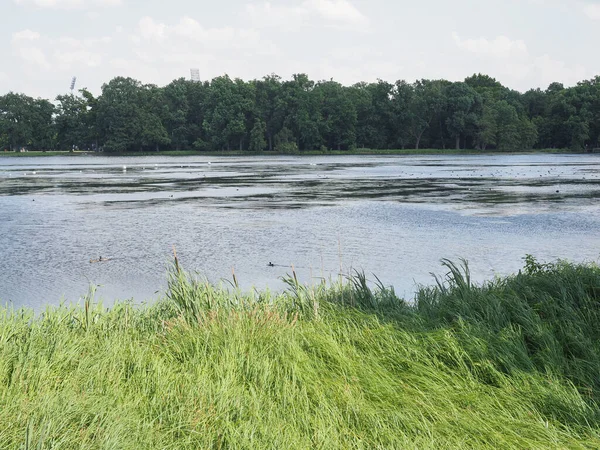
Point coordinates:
[(301, 114)]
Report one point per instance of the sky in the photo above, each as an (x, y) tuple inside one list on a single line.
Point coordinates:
[(522, 43)]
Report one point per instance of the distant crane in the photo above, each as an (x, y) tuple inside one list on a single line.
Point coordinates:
[(195, 74), (73, 81)]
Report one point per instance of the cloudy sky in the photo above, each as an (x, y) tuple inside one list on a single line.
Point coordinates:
[(522, 43)]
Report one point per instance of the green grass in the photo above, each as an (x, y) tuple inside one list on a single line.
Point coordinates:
[(510, 364)]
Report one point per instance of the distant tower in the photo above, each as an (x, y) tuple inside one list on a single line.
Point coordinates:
[(73, 81), (195, 75)]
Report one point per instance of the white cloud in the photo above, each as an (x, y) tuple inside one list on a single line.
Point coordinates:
[(158, 51), (62, 53), (25, 35), (68, 4), (68, 59), (346, 71), (250, 38), (189, 34), (337, 10), (337, 13), (149, 29), (274, 13), (549, 70), (592, 10), (217, 37), (71, 52), (499, 47), (35, 56), (511, 61), (286, 17), (83, 43)]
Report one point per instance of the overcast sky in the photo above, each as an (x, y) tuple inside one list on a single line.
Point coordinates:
[(522, 43)]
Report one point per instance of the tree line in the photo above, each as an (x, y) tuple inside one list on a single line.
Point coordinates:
[(301, 114)]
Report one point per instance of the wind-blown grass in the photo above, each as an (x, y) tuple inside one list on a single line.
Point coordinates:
[(510, 364)]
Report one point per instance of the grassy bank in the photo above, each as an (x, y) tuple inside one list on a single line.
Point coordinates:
[(511, 364), (40, 153), (362, 151)]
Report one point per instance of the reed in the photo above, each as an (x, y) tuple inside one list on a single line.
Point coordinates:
[(512, 363)]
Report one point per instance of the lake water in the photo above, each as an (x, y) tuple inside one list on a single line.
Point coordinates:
[(394, 217)]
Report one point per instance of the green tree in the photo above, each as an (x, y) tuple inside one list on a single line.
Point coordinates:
[(461, 102), (177, 126), (119, 115), (383, 120), (488, 128), (426, 102), (26, 122), (224, 114), (91, 118), (268, 98), (363, 104), (257, 136), (507, 122), (338, 115), (401, 118), (229, 109), (300, 109), (579, 129), (15, 125), (285, 141), (130, 116), (154, 113), (71, 122)]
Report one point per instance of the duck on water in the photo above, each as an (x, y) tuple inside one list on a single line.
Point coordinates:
[(100, 259)]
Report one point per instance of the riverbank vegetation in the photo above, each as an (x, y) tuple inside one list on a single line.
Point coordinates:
[(510, 364), (238, 153), (299, 115)]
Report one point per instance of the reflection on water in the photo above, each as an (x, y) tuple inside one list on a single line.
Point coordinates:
[(392, 216)]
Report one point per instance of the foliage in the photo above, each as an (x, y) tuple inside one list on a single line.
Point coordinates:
[(284, 141), (26, 122), (232, 114), (257, 136), (510, 364)]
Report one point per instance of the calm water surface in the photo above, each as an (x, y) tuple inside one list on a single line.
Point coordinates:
[(395, 217)]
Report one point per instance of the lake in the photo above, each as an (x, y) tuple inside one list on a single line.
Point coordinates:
[(391, 216)]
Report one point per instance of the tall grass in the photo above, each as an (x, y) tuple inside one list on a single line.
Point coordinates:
[(510, 364)]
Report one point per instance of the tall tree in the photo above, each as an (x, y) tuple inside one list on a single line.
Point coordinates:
[(228, 112), (268, 98), (301, 114), (300, 109), (461, 102), (130, 116), (118, 114), (72, 129), (176, 98), (257, 136), (338, 115), (426, 102), (26, 122), (401, 98)]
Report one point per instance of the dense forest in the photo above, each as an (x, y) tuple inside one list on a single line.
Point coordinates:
[(300, 114)]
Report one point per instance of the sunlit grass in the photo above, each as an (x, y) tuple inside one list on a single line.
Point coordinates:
[(511, 364)]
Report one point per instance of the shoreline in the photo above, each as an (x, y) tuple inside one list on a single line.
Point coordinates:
[(235, 153)]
